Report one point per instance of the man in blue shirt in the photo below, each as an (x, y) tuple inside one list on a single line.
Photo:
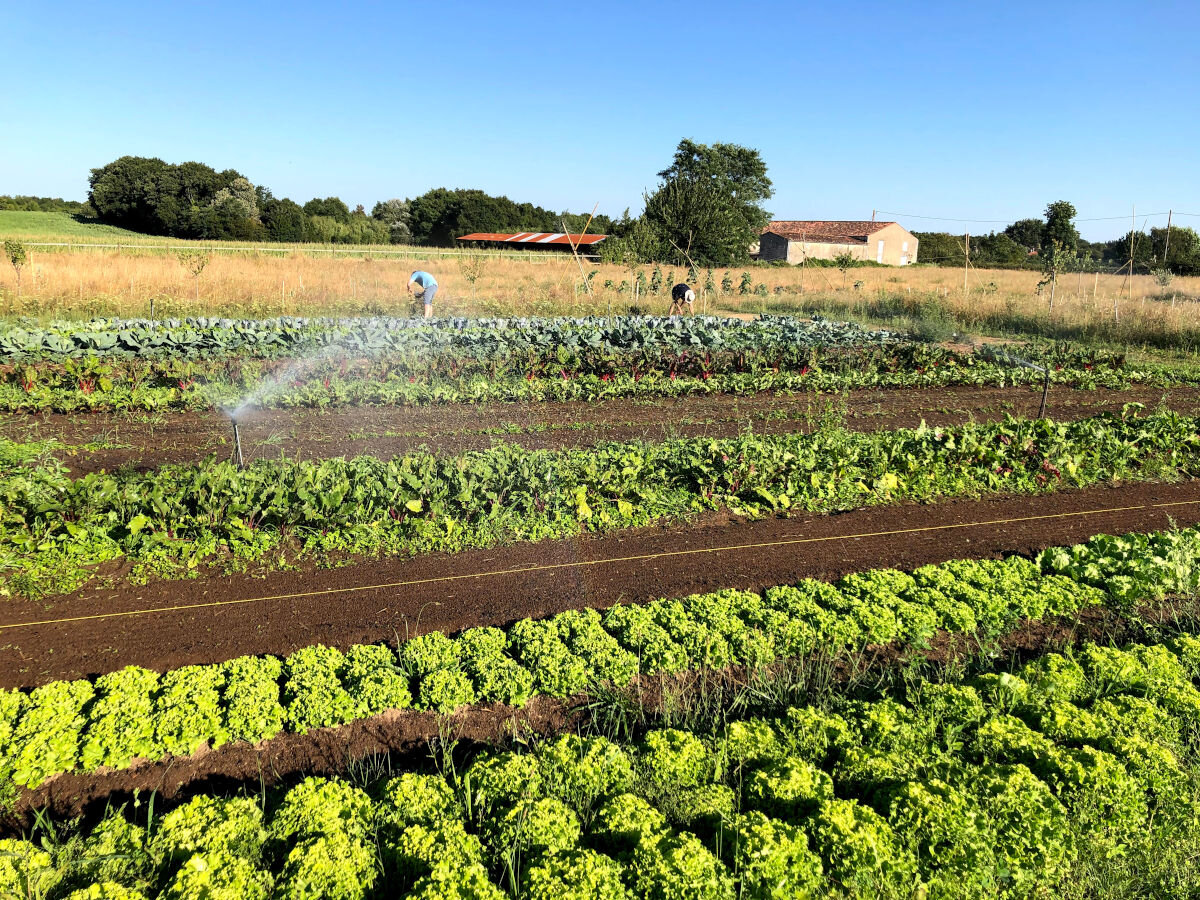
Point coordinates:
[(426, 286)]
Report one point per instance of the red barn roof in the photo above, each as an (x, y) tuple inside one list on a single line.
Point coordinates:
[(537, 237), (822, 232)]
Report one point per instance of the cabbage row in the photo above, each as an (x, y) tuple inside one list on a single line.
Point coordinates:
[(79, 726), (171, 520), (1009, 784), (474, 338)]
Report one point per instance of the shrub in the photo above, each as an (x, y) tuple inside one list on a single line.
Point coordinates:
[(575, 875), (208, 825), (333, 866), (218, 876)]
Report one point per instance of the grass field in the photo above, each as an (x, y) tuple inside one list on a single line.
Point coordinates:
[(52, 226)]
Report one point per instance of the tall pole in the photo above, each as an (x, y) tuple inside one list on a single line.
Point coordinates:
[(1167, 245), (1132, 231), (966, 260)]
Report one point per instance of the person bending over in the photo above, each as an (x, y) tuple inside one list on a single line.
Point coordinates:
[(425, 285), (681, 294)]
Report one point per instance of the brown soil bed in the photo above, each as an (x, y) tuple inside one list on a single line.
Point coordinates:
[(389, 599), (146, 440), (407, 737)]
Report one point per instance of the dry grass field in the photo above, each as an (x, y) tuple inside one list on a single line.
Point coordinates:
[(86, 281)]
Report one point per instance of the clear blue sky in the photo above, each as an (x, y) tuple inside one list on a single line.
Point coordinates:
[(944, 109)]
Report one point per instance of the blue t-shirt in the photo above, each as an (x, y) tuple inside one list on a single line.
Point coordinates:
[(424, 279)]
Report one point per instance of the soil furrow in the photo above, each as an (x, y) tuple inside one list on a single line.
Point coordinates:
[(590, 571), (146, 440)]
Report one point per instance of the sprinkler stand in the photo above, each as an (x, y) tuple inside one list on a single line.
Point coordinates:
[(237, 445), (1045, 392)]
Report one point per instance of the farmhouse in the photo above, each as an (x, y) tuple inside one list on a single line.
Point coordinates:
[(882, 242)]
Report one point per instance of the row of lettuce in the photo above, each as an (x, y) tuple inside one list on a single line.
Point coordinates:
[(550, 373), (133, 713), (171, 520), (1009, 784)]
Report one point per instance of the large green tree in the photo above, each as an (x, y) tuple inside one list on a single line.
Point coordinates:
[(709, 206), (1027, 233)]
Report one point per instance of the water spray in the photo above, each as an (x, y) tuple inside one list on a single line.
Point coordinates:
[(1024, 363), (237, 444)]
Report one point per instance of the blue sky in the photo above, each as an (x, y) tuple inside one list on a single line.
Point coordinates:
[(963, 110)]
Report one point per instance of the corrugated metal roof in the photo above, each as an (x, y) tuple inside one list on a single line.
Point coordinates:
[(536, 237)]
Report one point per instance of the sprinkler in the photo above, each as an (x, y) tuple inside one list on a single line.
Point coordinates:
[(237, 444), (1045, 370)]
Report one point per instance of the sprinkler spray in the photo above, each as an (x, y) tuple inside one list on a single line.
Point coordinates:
[(237, 444), (1045, 370)]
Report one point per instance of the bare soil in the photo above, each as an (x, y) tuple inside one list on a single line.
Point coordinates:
[(390, 599), (146, 440)]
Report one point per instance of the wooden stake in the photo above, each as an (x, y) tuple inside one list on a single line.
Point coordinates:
[(1167, 245), (1132, 227), (966, 260)]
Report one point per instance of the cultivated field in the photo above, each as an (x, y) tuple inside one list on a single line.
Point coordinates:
[(615, 607)]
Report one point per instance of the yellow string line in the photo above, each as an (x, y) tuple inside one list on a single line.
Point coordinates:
[(595, 562)]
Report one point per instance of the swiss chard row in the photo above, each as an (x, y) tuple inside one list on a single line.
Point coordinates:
[(134, 713), (175, 518), (551, 374), (1016, 785)]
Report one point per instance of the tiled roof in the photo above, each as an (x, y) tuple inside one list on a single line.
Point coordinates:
[(818, 232)]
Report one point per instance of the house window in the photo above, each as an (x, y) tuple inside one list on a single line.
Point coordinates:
[(904, 254), (879, 252)]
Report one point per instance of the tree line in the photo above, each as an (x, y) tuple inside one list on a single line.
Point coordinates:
[(1027, 243), (193, 200), (706, 211)]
